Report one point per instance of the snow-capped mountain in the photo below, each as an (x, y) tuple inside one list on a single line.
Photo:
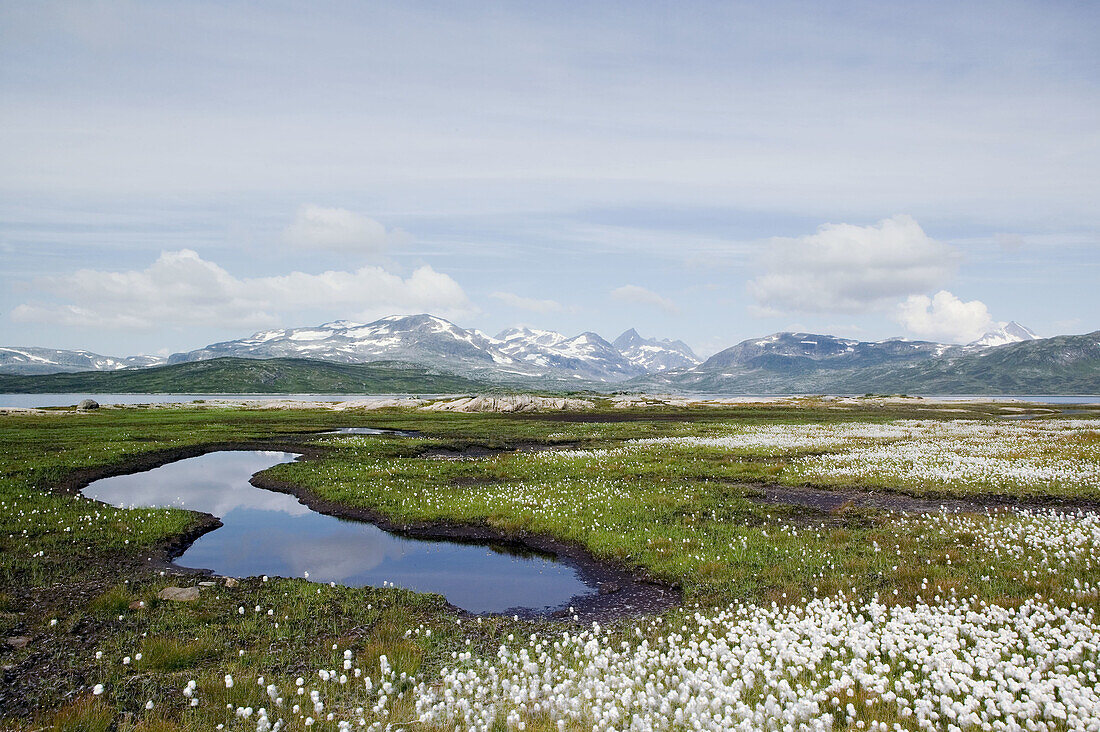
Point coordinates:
[(429, 340), (585, 356), (809, 360), (526, 354), (804, 363), (33, 360), (423, 339), (654, 355), (1007, 333)]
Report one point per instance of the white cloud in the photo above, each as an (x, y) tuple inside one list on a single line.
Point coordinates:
[(847, 268), (944, 317), (642, 296), (528, 303), (317, 227), (181, 288)]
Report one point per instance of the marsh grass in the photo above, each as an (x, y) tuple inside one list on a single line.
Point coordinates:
[(113, 602), (170, 654), (86, 714)]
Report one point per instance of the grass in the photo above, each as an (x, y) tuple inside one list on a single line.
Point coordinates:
[(686, 515)]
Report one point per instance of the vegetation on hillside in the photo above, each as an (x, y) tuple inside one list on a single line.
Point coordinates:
[(249, 376)]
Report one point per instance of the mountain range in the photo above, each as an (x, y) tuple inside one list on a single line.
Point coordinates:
[(513, 354), (779, 363), (800, 363), (34, 360)]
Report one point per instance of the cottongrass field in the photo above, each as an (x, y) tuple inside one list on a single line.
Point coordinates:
[(944, 662), (957, 649)]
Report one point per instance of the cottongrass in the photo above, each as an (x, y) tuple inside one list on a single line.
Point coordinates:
[(958, 453), (955, 664), (949, 664), (952, 664)]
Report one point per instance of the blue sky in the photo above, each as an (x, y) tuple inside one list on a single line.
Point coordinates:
[(176, 174)]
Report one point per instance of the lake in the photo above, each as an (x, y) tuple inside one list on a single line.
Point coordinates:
[(63, 400)]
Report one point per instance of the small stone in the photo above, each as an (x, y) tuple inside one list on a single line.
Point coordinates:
[(609, 588), (87, 404), (179, 594), (18, 641), (207, 583), (231, 582), (137, 604)]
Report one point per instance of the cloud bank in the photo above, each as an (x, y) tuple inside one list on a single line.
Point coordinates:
[(851, 269), (181, 288), (641, 296), (528, 303), (338, 229), (944, 317)]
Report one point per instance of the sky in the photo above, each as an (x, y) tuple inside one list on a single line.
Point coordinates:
[(176, 174)]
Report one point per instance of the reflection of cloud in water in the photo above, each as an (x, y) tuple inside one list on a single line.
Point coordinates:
[(216, 483), (342, 555), (271, 533)]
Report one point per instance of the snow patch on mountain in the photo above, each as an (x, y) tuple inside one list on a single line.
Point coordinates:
[(1004, 334)]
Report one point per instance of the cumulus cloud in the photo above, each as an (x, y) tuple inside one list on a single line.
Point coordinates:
[(338, 229), (181, 288), (641, 296), (851, 269), (944, 317), (528, 303)]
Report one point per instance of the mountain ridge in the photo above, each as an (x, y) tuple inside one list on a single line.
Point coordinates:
[(249, 376), (524, 357), (1067, 364), (37, 360)]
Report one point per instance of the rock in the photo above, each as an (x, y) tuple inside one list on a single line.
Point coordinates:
[(137, 605), (230, 582), (179, 594), (87, 404), (509, 403), (18, 641), (207, 583)]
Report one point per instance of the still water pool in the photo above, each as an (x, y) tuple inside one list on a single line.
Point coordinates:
[(271, 533)]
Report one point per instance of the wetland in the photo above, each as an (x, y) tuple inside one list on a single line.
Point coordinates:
[(796, 542)]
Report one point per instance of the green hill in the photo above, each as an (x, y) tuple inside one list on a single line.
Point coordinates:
[(1060, 365), (249, 376)]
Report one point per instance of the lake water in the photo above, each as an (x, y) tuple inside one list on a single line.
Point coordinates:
[(272, 533), (64, 400)]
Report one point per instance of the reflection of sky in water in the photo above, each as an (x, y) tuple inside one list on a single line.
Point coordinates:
[(272, 533), (216, 483)]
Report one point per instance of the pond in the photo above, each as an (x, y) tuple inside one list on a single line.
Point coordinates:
[(271, 533)]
